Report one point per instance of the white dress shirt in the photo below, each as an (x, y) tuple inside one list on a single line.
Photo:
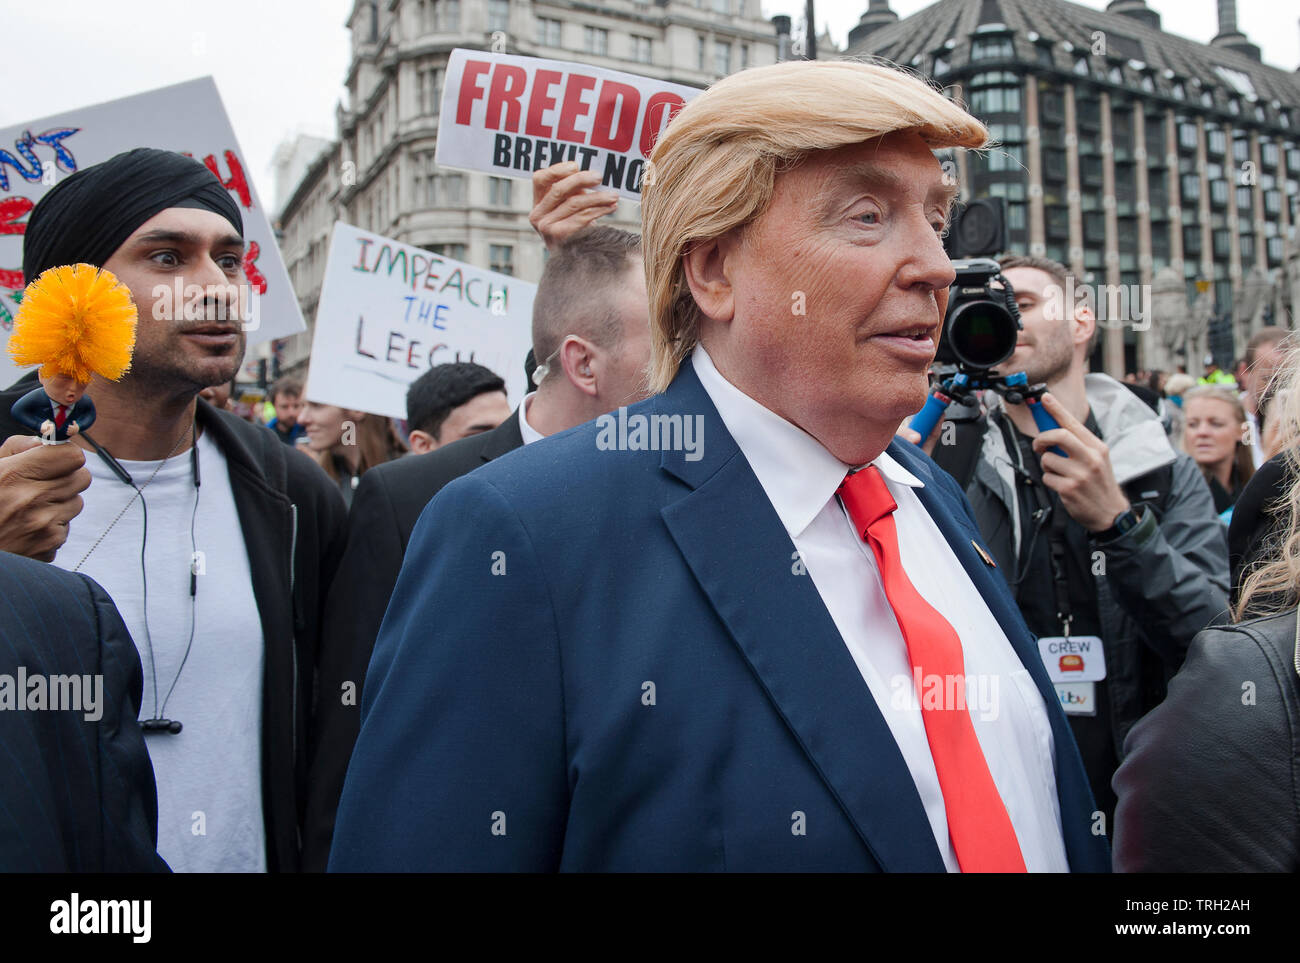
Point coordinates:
[(529, 433), (800, 478)]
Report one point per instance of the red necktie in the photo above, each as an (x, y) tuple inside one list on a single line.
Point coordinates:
[(978, 825), (60, 416)]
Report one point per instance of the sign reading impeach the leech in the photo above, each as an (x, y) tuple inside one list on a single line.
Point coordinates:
[(187, 117), (389, 311), (510, 116)]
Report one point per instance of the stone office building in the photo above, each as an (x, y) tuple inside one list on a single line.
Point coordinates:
[(380, 173), (1143, 161)]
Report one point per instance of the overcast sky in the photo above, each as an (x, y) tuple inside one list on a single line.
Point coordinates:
[(279, 64)]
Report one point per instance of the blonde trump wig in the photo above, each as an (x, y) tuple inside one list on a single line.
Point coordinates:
[(715, 167)]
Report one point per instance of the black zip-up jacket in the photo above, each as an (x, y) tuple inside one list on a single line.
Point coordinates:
[(1163, 581), (293, 520), (1211, 780)]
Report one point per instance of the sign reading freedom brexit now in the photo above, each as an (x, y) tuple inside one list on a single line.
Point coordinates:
[(187, 117), (389, 312), (510, 116)]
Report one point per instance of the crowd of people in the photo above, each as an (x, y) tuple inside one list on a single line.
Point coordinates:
[(486, 638)]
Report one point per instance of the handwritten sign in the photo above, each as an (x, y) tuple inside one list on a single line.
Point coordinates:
[(188, 118), (389, 312), (510, 115)]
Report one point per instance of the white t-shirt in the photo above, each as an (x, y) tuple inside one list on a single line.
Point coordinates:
[(209, 775)]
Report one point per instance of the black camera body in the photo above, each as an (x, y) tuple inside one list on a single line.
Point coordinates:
[(979, 333), (981, 326)]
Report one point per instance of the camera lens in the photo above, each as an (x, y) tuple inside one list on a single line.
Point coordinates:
[(982, 334)]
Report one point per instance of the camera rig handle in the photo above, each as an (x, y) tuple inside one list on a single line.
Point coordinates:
[(961, 386)]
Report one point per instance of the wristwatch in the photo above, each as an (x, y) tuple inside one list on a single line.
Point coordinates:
[(1124, 523)]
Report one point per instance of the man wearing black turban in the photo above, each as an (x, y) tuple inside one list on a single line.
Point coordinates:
[(215, 541)]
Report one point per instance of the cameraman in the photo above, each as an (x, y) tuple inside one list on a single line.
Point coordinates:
[(1118, 541)]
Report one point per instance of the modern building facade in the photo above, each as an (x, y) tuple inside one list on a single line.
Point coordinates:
[(1164, 169), (380, 173)]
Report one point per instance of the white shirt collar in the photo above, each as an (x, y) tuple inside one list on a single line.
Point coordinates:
[(796, 471), (529, 433)]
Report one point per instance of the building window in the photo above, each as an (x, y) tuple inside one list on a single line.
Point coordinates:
[(722, 6), (499, 191), (498, 14), (440, 16), (501, 258), (1222, 244), (1155, 139), (424, 193), (995, 100), (1187, 135), (1241, 150), (992, 48), (1088, 112), (1245, 202), (454, 251), (1081, 66), (641, 49), (722, 57), (1268, 153), (940, 65), (428, 82), (548, 32), (1192, 241), (700, 47), (1053, 107), (744, 59), (1219, 193), (453, 189), (595, 40), (1191, 187), (1090, 170), (1058, 222), (1216, 141)]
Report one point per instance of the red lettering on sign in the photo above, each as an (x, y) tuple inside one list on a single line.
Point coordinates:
[(541, 101), (659, 110), (10, 211), (236, 182), (508, 84), (254, 276), (574, 107), (616, 110), (470, 91)]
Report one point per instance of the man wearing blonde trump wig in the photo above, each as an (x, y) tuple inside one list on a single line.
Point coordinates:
[(736, 626)]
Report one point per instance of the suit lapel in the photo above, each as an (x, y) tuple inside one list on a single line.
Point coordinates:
[(505, 437), (742, 557)]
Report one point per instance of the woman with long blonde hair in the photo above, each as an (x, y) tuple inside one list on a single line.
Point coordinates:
[(1207, 782)]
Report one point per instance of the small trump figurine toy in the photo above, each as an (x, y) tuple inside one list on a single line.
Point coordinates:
[(74, 321)]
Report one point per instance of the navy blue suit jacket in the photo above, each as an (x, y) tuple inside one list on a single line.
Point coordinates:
[(605, 660), (33, 409), (77, 794)]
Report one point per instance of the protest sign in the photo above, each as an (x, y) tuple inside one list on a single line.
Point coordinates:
[(510, 116), (388, 312), (187, 117)]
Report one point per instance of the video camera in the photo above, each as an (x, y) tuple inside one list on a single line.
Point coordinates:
[(979, 333)]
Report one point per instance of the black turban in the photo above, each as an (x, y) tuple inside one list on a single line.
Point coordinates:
[(86, 216)]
